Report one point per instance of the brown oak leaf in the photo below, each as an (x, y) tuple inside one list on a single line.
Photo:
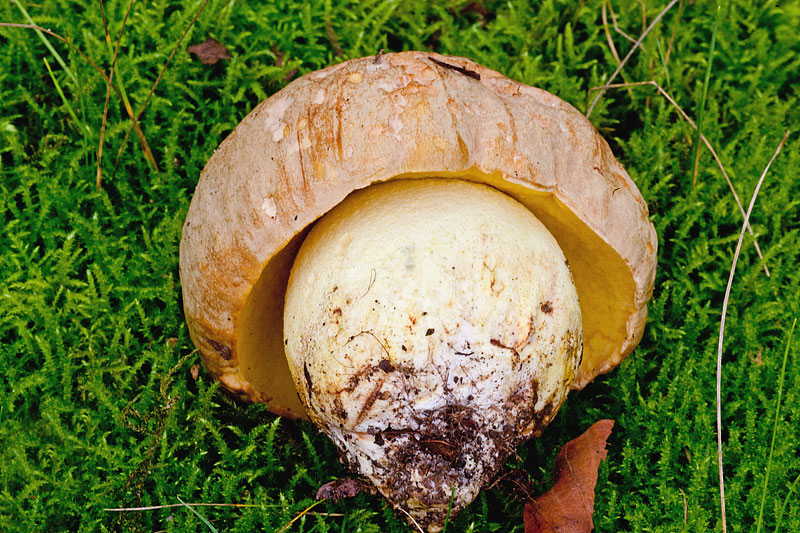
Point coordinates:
[(209, 51), (568, 506)]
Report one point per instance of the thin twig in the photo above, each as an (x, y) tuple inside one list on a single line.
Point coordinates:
[(630, 53), (703, 138), (158, 80), (98, 178), (722, 330)]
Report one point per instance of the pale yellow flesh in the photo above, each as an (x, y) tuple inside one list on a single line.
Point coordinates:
[(416, 298), (605, 287)]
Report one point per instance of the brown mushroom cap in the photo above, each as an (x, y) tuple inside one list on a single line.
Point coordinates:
[(405, 115)]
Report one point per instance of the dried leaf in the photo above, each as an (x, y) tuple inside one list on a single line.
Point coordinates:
[(568, 506), (342, 488), (209, 51), (195, 371)]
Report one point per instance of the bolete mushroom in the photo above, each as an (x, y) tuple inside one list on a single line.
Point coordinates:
[(469, 250)]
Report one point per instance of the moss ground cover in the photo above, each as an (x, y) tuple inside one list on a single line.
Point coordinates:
[(99, 406)]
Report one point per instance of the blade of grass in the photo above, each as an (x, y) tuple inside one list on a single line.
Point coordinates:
[(703, 138), (774, 429), (71, 111), (630, 53), (449, 509), (49, 46), (663, 61), (198, 515), (722, 331), (709, 63), (87, 131), (158, 80), (779, 518)]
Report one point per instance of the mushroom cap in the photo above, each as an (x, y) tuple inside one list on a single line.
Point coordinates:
[(406, 115)]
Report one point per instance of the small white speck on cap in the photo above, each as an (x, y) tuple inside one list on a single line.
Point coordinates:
[(372, 66), (279, 132), (319, 97), (395, 125), (269, 207), (273, 121)]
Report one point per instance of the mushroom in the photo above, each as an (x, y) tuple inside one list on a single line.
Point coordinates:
[(422, 257)]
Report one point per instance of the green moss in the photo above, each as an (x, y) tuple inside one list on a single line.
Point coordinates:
[(94, 412)]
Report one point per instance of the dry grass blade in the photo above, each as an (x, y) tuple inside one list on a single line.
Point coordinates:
[(722, 329), (158, 80), (300, 515), (411, 518), (705, 141), (630, 53), (98, 178), (609, 40), (685, 507), (334, 40), (616, 25), (170, 505), (674, 32)]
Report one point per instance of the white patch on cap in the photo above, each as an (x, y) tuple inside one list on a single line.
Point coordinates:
[(273, 122), (269, 207), (395, 125), (319, 98)]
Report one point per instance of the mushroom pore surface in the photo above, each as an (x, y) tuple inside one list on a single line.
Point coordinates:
[(431, 326)]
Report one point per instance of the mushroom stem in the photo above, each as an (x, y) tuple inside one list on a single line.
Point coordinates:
[(431, 326)]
